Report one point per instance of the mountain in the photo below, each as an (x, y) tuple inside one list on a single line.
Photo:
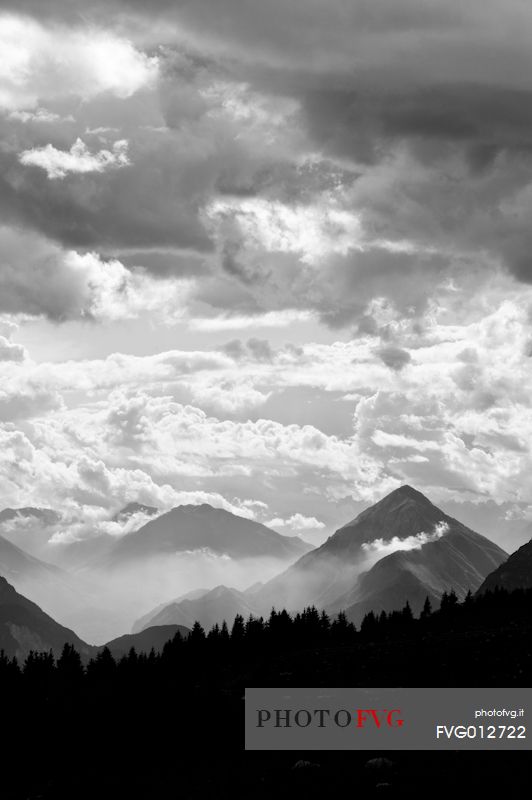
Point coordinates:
[(146, 620), (195, 528), (29, 528), (402, 548), (24, 627), (214, 606), (515, 573), (154, 638), (458, 560), (18, 565), (49, 585), (92, 550)]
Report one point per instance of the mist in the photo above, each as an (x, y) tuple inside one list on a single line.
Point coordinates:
[(100, 601), (108, 602)]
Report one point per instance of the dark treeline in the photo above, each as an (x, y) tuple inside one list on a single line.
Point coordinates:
[(171, 724), (280, 633)]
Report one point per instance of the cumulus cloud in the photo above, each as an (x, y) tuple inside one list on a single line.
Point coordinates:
[(297, 522), (79, 159), (10, 351), (297, 169), (41, 62), (39, 278)]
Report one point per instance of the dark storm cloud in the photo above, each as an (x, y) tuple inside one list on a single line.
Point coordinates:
[(482, 121), (128, 208)]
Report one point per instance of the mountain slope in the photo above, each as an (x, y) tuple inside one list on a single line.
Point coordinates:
[(221, 603), (146, 620), (49, 585), (24, 627), (154, 637), (357, 567), (459, 560), (515, 573), (16, 564), (187, 528)]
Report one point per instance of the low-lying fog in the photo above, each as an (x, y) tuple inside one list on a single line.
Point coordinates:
[(100, 603)]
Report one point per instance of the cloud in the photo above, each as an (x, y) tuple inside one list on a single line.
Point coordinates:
[(10, 351), (79, 159), (39, 115), (391, 150), (297, 522), (394, 357), (382, 547), (39, 278), (44, 63), (270, 319)]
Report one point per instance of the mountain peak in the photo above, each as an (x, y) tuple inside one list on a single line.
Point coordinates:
[(407, 491), (401, 513), (401, 498)]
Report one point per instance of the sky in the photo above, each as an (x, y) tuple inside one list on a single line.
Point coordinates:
[(271, 256)]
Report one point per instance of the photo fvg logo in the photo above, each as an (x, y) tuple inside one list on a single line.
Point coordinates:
[(325, 717)]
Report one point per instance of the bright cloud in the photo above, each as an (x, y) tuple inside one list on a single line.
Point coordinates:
[(382, 547), (38, 277), (79, 159), (297, 522), (40, 63)]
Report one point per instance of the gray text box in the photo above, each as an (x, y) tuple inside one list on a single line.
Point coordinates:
[(388, 719)]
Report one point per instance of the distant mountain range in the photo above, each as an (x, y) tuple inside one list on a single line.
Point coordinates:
[(24, 626), (202, 527), (208, 607), (402, 548), (49, 585), (18, 565)]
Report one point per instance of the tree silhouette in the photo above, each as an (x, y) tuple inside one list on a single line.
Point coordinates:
[(427, 609), (69, 666)]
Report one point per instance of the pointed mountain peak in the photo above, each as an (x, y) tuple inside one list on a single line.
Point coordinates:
[(403, 496), (401, 513), (407, 491)]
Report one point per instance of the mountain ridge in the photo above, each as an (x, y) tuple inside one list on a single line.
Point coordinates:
[(195, 527), (356, 571)]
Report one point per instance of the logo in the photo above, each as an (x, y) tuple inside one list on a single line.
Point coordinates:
[(326, 717)]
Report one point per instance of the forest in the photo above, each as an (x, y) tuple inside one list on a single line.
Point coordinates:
[(150, 719)]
